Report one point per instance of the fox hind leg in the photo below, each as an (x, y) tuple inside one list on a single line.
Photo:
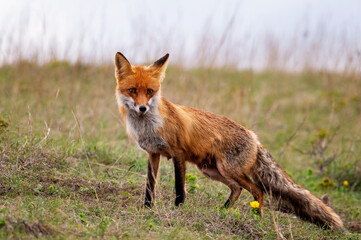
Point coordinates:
[(236, 191), (257, 193), (213, 173)]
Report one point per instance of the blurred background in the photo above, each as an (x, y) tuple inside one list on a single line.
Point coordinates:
[(261, 34)]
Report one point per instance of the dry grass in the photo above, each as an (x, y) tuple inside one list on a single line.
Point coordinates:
[(69, 171), (53, 195)]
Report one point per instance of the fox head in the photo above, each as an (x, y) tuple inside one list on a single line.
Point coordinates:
[(138, 87)]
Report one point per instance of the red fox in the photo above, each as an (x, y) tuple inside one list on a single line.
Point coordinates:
[(222, 150)]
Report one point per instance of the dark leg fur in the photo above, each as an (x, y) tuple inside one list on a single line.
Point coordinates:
[(153, 166), (235, 193), (228, 203), (179, 173)]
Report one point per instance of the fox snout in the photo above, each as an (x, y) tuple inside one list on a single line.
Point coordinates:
[(139, 108), (142, 109)]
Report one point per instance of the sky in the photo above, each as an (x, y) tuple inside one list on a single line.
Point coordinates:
[(203, 32)]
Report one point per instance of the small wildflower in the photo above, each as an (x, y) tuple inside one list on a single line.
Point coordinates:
[(255, 208), (254, 204), (345, 183), (193, 188)]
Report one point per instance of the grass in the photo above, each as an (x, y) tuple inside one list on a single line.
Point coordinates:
[(69, 171)]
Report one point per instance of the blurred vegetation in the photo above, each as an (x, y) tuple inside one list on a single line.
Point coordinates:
[(68, 169)]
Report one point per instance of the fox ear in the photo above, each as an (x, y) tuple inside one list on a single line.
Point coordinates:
[(160, 66), (122, 66)]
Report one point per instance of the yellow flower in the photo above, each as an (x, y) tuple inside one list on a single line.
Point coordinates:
[(197, 185), (345, 183), (254, 204)]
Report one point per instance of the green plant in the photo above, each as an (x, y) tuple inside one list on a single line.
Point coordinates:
[(327, 183)]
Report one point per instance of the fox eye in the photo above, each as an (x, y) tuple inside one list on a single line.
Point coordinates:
[(132, 90), (150, 91)]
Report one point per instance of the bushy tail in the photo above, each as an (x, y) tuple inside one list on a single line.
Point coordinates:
[(289, 196)]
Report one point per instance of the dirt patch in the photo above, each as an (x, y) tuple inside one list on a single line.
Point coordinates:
[(354, 226), (43, 173), (86, 188), (37, 229), (17, 158), (351, 225)]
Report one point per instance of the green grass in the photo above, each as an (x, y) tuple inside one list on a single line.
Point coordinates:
[(68, 170)]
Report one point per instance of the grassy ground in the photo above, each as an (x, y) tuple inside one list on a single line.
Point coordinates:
[(68, 170)]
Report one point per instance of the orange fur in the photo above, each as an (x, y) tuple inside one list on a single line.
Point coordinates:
[(223, 150)]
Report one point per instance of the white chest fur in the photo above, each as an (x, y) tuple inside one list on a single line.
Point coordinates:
[(144, 128), (144, 131)]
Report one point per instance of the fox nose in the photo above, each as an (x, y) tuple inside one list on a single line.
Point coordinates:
[(142, 108)]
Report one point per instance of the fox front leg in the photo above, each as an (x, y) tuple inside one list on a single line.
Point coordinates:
[(153, 167), (179, 172)]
